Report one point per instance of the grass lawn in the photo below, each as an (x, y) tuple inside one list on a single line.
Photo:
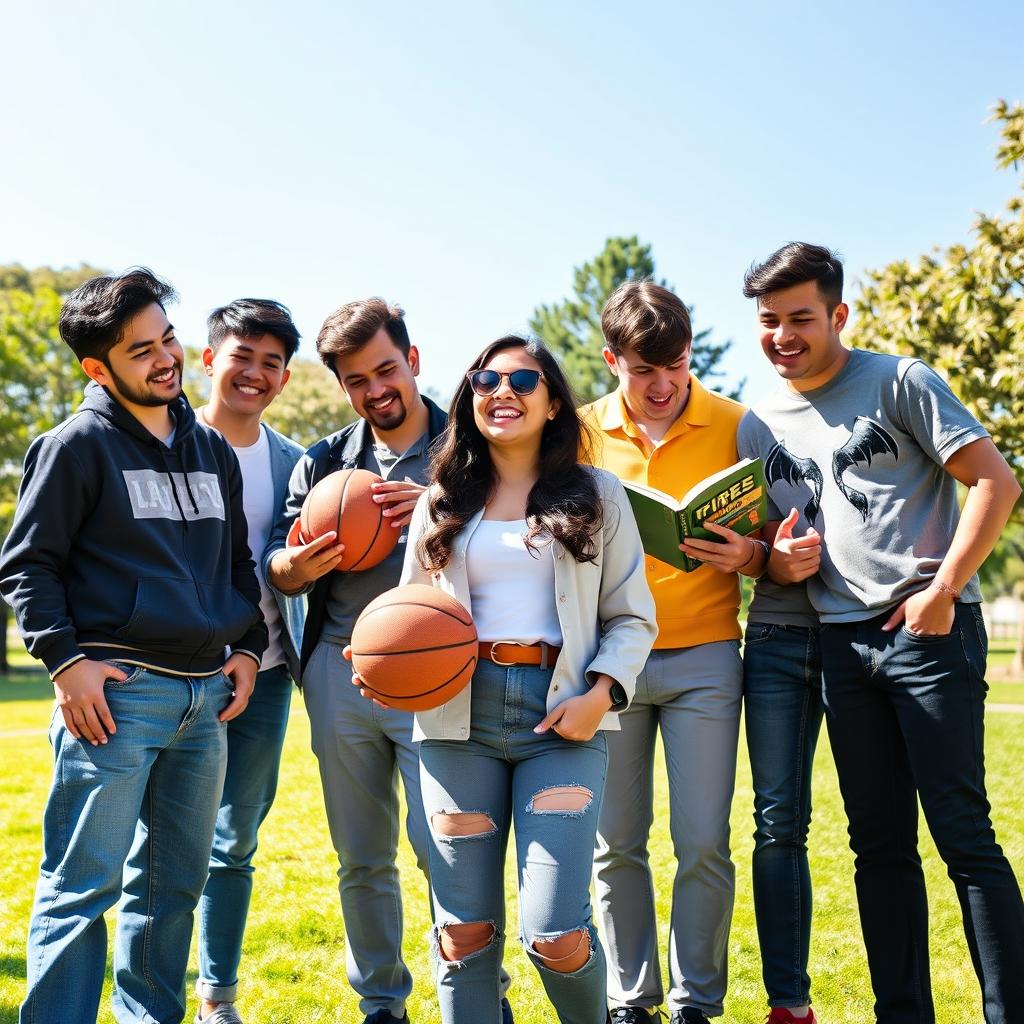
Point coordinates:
[(294, 966)]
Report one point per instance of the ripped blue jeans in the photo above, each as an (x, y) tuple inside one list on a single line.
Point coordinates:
[(474, 791)]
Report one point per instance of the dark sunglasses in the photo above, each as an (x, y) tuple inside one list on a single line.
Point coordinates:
[(486, 382)]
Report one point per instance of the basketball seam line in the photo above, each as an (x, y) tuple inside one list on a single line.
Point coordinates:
[(376, 533), (425, 693), (367, 612), (414, 650)]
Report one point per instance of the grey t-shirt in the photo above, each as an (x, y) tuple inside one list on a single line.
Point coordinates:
[(351, 592), (862, 459)]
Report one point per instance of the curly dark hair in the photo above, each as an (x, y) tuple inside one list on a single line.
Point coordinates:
[(564, 503)]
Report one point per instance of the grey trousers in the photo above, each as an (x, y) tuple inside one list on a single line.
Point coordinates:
[(693, 695), (362, 749)]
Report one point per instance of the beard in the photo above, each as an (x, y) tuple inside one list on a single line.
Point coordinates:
[(390, 420), (142, 394)]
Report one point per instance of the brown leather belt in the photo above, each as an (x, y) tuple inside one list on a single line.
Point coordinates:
[(508, 652)]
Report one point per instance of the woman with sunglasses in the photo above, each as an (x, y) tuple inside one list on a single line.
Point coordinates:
[(546, 555)]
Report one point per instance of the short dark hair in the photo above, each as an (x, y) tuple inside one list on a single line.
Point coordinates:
[(793, 264), (252, 318), (649, 319), (95, 314), (348, 329)]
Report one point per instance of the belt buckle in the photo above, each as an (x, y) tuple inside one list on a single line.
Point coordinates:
[(506, 643)]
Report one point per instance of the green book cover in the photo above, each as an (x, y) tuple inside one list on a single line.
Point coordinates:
[(734, 497)]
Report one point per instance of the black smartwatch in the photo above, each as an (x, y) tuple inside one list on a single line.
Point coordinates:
[(619, 697)]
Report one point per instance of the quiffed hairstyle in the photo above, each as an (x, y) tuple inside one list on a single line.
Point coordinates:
[(649, 320), (252, 318), (348, 329), (796, 263), (564, 502), (95, 314)]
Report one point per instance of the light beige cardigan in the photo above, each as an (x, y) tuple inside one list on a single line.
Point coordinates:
[(605, 610)]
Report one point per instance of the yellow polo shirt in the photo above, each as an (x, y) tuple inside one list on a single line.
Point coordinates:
[(698, 607)]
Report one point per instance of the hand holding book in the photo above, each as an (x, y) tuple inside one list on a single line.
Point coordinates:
[(733, 553)]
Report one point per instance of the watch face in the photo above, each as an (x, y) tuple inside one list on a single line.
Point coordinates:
[(617, 692)]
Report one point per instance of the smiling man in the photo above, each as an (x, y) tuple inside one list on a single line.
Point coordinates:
[(868, 448), (129, 572), (662, 428), (250, 343), (361, 747)]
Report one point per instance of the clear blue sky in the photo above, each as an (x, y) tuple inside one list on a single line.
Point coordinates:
[(462, 158)]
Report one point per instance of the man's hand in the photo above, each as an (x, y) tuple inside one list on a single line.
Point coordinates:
[(241, 670), (357, 680), (79, 694), (399, 498), (298, 564), (577, 718), (929, 612), (794, 559), (732, 554)]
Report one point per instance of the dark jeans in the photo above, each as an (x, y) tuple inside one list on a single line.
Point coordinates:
[(906, 720), (782, 711)]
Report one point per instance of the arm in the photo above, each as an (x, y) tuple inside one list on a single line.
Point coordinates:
[(55, 498), (628, 621), (246, 652), (288, 565), (992, 493)]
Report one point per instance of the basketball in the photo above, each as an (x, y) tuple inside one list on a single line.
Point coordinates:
[(414, 647), (343, 502)]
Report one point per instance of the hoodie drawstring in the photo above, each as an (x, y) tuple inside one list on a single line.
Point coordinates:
[(174, 487)]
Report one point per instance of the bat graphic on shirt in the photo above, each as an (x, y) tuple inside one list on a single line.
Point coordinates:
[(783, 465), (867, 440)]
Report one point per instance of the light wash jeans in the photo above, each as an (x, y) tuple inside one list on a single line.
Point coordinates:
[(782, 712), (499, 771), (255, 740), (361, 749), (133, 818), (693, 695)]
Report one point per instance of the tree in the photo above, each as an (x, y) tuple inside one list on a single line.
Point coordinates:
[(572, 328), (40, 379), (962, 309)]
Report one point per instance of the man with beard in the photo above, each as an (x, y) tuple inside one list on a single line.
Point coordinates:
[(129, 571), (362, 747)]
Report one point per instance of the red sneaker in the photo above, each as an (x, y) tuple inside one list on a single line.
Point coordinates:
[(780, 1015)]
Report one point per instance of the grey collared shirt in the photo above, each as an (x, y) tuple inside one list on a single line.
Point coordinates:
[(351, 592)]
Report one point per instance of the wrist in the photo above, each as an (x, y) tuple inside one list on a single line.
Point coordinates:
[(938, 587)]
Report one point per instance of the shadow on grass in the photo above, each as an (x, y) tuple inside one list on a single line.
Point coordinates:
[(25, 684), (11, 967)]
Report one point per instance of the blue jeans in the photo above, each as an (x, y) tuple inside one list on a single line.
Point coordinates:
[(132, 818), (255, 740), (782, 712), (502, 771), (906, 720)]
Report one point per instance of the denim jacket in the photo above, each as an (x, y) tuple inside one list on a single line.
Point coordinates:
[(605, 610)]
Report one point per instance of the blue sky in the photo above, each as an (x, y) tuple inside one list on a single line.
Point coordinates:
[(461, 159)]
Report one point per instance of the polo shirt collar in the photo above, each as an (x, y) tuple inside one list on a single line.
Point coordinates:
[(612, 414)]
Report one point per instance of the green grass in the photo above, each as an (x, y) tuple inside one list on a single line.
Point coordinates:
[(294, 965)]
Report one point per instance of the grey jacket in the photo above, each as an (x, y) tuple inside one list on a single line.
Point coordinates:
[(605, 610), (284, 454)]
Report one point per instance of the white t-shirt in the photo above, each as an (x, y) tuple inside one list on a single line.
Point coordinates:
[(258, 502), (512, 589)]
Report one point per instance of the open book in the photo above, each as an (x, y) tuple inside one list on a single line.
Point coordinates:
[(734, 497)]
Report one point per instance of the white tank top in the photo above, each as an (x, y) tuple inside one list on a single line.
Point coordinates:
[(511, 588)]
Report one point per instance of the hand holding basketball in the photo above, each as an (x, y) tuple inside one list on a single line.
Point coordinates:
[(298, 565)]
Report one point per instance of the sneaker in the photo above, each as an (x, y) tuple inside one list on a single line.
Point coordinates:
[(780, 1015), (633, 1015), (385, 1016), (689, 1015), (225, 1013), (506, 1012)]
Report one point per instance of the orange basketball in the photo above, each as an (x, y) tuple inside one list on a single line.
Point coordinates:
[(414, 647), (343, 502)]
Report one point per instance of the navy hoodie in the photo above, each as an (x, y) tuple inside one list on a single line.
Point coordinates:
[(125, 549)]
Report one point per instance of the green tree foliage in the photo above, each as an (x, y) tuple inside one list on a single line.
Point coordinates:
[(40, 379), (961, 309), (572, 328)]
